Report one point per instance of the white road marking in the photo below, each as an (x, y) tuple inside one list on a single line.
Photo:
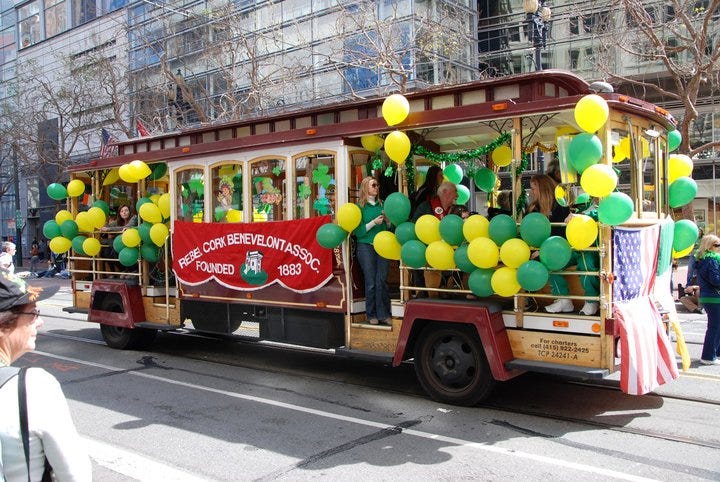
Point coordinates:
[(135, 465), (368, 423)]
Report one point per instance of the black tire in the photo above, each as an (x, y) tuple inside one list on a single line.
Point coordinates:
[(125, 338), (451, 365)]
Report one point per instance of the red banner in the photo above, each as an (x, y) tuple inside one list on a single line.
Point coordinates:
[(253, 255)]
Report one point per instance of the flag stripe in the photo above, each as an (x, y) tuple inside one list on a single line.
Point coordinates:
[(107, 145)]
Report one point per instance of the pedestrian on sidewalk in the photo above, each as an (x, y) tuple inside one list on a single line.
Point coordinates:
[(7, 261), (708, 276), (34, 256)]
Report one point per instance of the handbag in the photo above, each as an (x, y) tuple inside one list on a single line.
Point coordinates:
[(24, 432)]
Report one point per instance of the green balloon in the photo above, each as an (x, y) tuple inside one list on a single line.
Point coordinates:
[(412, 253), (555, 253), (479, 282), (330, 235), (140, 202), (451, 229), (502, 227), (534, 229), (69, 229), (144, 231), (102, 205), (77, 244), (685, 234), (453, 173), (51, 229), (397, 208), (158, 171), (615, 209), (682, 191), (485, 179), (405, 232), (532, 275), (585, 150), (462, 261), (463, 194), (674, 139), (128, 256), (150, 252), (118, 245), (57, 191)]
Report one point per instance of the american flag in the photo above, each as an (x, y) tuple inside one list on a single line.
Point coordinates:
[(647, 360), (142, 131), (107, 146)]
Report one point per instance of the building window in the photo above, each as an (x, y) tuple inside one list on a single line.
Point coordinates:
[(574, 59), (55, 17), (29, 30), (83, 11)]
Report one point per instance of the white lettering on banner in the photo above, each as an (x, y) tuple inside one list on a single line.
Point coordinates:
[(271, 242), (186, 260), (212, 268), (214, 244)]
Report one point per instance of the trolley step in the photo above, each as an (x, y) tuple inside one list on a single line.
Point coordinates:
[(569, 371)]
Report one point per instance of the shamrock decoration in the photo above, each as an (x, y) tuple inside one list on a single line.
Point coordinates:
[(276, 170), (321, 176), (303, 191), (322, 205)]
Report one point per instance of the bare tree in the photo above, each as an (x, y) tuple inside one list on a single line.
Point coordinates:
[(681, 36)]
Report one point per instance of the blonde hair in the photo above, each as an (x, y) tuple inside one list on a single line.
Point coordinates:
[(546, 199), (364, 187), (706, 244)]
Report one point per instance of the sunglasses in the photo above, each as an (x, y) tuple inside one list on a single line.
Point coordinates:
[(716, 245), (35, 313), (373, 184)]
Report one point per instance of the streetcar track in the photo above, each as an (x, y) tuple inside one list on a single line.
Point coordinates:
[(503, 409)]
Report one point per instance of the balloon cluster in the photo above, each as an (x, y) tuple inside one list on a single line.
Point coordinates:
[(149, 236), (64, 231), (395, 109)]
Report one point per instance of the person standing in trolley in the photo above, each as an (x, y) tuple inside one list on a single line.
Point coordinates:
[(374, 266)]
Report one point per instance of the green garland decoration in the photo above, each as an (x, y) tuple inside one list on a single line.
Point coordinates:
[(467, 157), (522, 199), (410, 174)]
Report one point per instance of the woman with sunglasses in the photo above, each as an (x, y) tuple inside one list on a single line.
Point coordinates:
[(374, 266), (51, 434), (707, 268)]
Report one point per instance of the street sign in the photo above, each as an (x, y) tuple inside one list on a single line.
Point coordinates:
[(18, 220)]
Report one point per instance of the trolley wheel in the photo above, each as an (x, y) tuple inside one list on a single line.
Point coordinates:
[(451, 365), (125, 338)]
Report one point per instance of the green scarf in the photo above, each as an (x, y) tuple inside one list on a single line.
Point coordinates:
[(711, 254)]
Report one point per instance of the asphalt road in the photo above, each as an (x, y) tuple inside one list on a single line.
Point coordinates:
[(207, 409)]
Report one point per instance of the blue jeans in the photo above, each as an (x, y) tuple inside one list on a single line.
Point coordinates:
[(690, 271), (711, 345), (375, 271)]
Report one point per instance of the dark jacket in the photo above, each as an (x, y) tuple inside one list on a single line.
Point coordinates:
[(708, 276)]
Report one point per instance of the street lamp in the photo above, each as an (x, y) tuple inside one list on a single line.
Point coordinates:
[(538, 16)]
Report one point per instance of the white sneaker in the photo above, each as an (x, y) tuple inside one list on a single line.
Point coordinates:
[(560, 306), (710, 362), (590, 308)]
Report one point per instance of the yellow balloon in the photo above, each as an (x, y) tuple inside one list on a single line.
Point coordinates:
[(395, 109), (476, 226), (163, 204), (514, 252), (372, 143), (139, 169), (599, 180), (126, 174), (91, 246), (84, 222), (97, 217), (349, 217), (76, 188), (233, 216), (591, 113), (483, 253), (60, 244), (679, 165), (683, 253), (62, 216), (111, 177), (155, 198), (504, 281), (440, 255), (397, 146), (427, 228), (581, 231), (150, 212), (386, 245), (131, 237), (227, 170), (159, 233), (622, 150), (502, 156)]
